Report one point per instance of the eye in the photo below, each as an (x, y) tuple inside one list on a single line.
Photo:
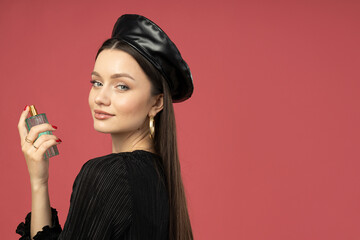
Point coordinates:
[(125, 87), (93, 82)]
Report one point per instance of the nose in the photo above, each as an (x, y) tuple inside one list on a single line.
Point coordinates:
[(102, 97)]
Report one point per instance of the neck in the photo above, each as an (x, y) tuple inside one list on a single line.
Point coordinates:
[(128, 142)]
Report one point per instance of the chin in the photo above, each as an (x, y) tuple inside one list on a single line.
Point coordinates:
[(101, 131), (103, 128)]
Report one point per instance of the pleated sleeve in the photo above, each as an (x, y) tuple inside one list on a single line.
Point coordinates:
[(100, 203), (23, 229)]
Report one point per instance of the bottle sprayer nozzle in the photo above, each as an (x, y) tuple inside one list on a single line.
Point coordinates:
[(33, 111)]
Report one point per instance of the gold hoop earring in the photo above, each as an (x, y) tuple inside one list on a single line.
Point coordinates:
[(152, 127)]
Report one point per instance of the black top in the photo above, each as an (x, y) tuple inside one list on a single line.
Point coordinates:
[(116, 196)]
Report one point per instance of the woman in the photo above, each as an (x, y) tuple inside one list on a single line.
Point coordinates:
[(136, 192)]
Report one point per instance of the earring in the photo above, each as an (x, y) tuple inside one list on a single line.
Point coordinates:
[(152, 127)]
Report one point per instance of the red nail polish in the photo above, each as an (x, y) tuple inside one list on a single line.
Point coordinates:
[(58, 140), (25, 107), (54, 126)]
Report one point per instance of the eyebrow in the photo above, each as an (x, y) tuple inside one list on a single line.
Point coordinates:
[(116, 75)]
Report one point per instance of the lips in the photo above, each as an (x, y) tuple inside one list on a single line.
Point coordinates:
[(101, 115)]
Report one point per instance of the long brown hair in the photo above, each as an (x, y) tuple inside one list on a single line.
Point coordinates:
[(165, 143)]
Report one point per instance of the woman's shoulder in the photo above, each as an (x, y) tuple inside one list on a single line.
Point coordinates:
[(118, 170), (121, 161)]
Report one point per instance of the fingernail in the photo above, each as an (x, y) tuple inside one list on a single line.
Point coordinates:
[(58, 140), (25, 107), (54, 126)]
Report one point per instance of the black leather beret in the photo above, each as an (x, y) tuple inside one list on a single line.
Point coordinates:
[(152, 42)]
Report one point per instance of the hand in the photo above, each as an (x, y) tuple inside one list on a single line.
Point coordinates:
[(38, 166)]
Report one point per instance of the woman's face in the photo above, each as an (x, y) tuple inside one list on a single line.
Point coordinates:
[(120, 88)]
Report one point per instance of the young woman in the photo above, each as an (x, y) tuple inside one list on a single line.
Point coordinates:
[(135, 192)]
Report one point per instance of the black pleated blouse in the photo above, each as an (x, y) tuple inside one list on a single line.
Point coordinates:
[(117, 196)]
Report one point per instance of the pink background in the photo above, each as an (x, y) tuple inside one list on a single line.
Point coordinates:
[(269, 142)]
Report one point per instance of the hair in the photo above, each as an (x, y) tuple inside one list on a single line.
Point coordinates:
[(165, 143)]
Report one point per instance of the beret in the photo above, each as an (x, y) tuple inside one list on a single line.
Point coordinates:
[(152, 42)]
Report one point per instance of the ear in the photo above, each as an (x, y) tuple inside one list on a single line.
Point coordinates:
[(158, 105)]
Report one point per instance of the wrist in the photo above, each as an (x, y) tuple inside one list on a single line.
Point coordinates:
[(38, 185)]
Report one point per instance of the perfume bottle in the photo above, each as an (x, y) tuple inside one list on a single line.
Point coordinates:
[(36, 119)]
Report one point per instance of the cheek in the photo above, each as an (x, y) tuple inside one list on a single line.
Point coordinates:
[(130, 107), (91, 99)]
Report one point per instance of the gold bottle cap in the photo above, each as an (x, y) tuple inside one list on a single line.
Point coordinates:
[(33, 111)]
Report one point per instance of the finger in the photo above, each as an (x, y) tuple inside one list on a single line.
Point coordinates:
[(31, 149), (21, 125), (45, 146), (44, 138), (35, 130)]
